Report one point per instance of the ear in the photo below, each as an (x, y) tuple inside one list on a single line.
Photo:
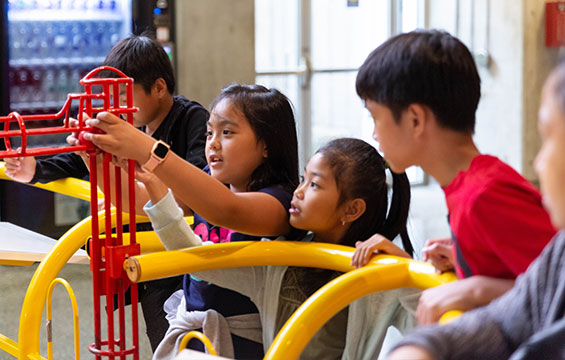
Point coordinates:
[(160, 86), (417, 116), (265, 151), (352, 210)]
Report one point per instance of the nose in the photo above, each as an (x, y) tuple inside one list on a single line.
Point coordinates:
[(213, 142), (298, 192)]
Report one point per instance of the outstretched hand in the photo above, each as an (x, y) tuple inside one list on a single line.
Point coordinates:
[(438, 252), (376, 244), (120, 138)]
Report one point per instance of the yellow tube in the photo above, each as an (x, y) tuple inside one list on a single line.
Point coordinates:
[(198, 335), (8, 345), (340, 292), (34, 301), (450, 316), (49, 318), (242, 253), (69, 186)]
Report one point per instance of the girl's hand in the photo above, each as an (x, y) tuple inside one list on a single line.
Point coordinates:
[(438, 251), (120, 138), (376, 244), (155, 187)]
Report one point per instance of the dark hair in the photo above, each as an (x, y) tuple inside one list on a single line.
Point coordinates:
[(359, 172), (270, 116), (427, 67), (143, 59)]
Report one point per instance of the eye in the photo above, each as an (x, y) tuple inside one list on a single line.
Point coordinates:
[(301, 179), (227, 132), (208, 133), (314, 185)]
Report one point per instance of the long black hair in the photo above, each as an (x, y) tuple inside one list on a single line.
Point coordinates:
[(270, 115), (360, 172)]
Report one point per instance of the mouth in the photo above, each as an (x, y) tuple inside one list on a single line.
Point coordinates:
[(214, 160), (293, 209)]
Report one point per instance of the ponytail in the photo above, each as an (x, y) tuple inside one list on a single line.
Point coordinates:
[(395, 222)]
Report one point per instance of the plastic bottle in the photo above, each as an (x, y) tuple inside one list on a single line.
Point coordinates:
[(48, 86), (36, 93), (62, 84)]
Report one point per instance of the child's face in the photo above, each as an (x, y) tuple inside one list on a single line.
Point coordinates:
[(550, 161), (314, 205), (147, 104), (393, 137), (232, 149)]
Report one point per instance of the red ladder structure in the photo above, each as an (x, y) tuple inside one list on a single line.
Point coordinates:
[(107, 252)]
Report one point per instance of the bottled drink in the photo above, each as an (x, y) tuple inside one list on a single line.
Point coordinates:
[(62, 84), (48, 86), (36, 93)]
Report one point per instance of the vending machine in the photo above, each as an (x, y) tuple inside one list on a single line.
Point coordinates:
[(50, 46)]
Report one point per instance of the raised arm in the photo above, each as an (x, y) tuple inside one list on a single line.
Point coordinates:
[(251, 213)]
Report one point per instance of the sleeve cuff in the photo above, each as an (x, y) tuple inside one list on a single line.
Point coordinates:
[(163, 212)]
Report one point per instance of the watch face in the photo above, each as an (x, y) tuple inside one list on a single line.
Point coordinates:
[(161, 150)]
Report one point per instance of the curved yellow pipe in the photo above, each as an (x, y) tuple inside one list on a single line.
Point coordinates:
[(49, 317), (198, 335), (69, 186), (340, 292), (385, 272), (242, 253), (48, 269)]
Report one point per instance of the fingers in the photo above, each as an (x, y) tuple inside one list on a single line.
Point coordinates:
[(427, 311)]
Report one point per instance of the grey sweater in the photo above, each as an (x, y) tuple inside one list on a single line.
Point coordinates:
[(526, 322)]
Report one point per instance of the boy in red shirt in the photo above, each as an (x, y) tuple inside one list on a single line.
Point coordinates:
[(422, 90)]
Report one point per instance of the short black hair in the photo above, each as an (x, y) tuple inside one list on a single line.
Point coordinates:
[(142, 58), (428, 67), (270, 115)]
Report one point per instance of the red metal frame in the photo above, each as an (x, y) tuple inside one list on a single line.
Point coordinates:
[(107, 252)]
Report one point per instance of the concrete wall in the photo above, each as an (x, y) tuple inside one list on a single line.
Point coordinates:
[(538, 61), (512, 33), (215, 42)]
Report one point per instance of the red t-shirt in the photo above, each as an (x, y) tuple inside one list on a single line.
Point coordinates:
[(497, 220)]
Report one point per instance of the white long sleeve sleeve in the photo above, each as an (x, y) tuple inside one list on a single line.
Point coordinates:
[(169, 224)]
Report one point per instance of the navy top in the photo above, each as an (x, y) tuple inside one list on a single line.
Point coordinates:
[(201, 295)]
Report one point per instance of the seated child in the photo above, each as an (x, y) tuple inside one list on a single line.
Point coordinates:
[(338, 204), (251, 150)]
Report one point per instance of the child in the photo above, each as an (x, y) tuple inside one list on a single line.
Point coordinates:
[(338, 203), (422, 89), (176, 120), (528, 321), (251, 149)]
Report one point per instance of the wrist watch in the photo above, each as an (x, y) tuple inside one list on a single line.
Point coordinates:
[(158, 154)]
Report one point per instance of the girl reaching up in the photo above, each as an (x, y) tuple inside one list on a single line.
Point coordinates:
[(251, 150)]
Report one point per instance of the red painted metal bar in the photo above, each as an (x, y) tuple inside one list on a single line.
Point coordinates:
[(109, 280)]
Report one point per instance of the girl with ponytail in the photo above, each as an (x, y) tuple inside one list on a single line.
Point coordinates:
[(342, 198)]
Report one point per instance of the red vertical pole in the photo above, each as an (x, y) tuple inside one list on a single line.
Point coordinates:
[(95, 253), (132, 225)]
